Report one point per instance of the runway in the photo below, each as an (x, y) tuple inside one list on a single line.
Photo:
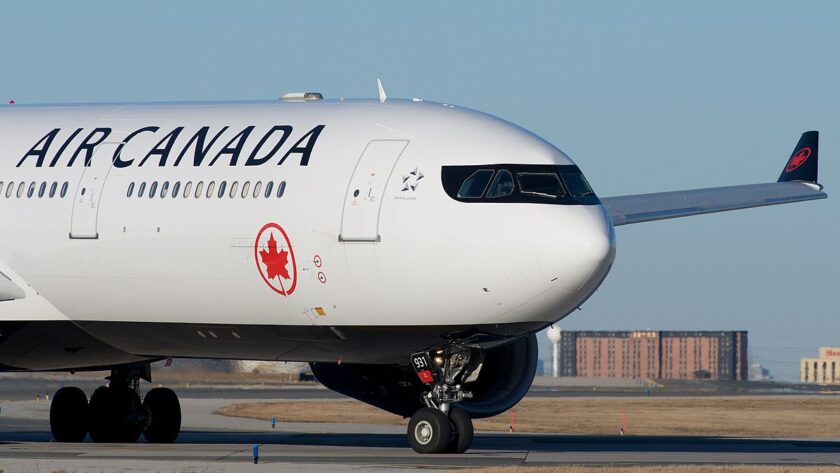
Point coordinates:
[(213, 443)]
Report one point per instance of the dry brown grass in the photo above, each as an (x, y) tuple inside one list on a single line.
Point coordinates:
[(737, 416), (662, 469)]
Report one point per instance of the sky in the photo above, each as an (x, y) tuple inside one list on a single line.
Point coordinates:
[(644, 96)]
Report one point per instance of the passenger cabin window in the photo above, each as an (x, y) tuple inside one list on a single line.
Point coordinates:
[(257, 188), (64, 189), (187, 189), (21, 187), (473, 187), (210, 188), (245, 188), (42, 189), (502, 185), (130, 190), (281, 189), (175, 189), (153, 189), (141, 190), (222, 186), (233, 188), (53, 187), (268, 188), (164, 189), (10, 189), (543, 184), (198, 188), (1, 188)]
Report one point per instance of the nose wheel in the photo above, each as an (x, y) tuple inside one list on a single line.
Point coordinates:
[(429, 431), (462, 431)]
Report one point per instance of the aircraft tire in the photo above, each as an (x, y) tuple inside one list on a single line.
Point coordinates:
[(69, 415), (164, 412), (112, 415), (429, 431), (462, 431)]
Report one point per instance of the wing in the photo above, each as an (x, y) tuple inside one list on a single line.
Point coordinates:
[(797, 183), (10, 288)]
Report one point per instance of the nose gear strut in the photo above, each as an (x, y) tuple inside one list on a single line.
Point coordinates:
[(441, 427)]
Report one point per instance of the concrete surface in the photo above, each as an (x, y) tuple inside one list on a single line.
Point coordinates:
[(211, 443)]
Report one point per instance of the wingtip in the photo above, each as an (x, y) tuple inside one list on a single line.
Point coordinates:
[(803, 162)]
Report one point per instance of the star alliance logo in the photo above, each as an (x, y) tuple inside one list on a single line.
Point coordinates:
[(411, 180)]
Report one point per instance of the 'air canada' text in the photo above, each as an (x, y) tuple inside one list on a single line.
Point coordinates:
[(202, 147)]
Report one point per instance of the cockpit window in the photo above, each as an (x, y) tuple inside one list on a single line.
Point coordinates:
[(553, 184), (543, 184), (577, 184), (473, 187), (502, 185)]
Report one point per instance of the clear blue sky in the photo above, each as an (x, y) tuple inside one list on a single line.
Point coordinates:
[(645, 96)]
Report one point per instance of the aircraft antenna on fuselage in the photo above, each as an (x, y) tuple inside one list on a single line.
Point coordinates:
[(382, 96)]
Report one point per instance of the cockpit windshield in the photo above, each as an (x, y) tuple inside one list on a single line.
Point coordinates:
[(502, 185), (543, 184), (519, 183), (473, 187), (576, 184)]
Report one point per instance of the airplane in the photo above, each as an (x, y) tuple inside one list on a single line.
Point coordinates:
[(408, 250)]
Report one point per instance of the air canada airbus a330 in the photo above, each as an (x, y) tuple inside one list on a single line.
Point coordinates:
[(408, 250)]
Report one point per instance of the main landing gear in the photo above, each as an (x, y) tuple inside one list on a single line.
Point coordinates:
[(115, 412), (442, 427)]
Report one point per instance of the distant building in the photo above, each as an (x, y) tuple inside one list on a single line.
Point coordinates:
[(822, 370), (759, 373), (540, 368), (655, 354)]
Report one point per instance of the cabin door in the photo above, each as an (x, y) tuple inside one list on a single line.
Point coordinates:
[(363, 201), (83, 220)]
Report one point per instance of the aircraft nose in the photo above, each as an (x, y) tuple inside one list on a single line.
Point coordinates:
[(576, 247)]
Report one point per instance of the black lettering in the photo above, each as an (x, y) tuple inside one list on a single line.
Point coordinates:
[(118, 161), (39, 150), (200, 149), (305, 150), (64, 146), (89, 144), (234, 146), (253, 160), (163, 147)]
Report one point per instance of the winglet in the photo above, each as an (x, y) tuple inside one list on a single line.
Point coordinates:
[(382, 96), (802, 165)]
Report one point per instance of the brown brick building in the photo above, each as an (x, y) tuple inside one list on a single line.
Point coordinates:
[(654, 354)]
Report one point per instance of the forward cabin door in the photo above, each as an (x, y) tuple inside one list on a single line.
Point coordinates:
[(362, 203), (83, 220)]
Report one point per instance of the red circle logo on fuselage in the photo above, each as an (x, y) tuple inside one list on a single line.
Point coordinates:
[(798, 159), (276, 259)]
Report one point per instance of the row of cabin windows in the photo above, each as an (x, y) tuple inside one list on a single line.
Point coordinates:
[(163, 189), (32, 189)]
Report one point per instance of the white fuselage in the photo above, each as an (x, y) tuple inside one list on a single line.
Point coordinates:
[(400, 253)]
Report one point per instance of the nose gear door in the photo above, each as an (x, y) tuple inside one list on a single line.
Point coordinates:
[(362, 203)]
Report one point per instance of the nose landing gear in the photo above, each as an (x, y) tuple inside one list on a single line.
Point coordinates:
[(441, 427), (115, 412)]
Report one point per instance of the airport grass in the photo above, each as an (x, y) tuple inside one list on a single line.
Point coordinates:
[(726, 416)]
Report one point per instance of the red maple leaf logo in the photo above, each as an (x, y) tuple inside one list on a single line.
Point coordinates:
[(275, 261), (798, 159)]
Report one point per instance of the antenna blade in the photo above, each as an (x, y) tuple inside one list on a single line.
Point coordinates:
[(382, 96)]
